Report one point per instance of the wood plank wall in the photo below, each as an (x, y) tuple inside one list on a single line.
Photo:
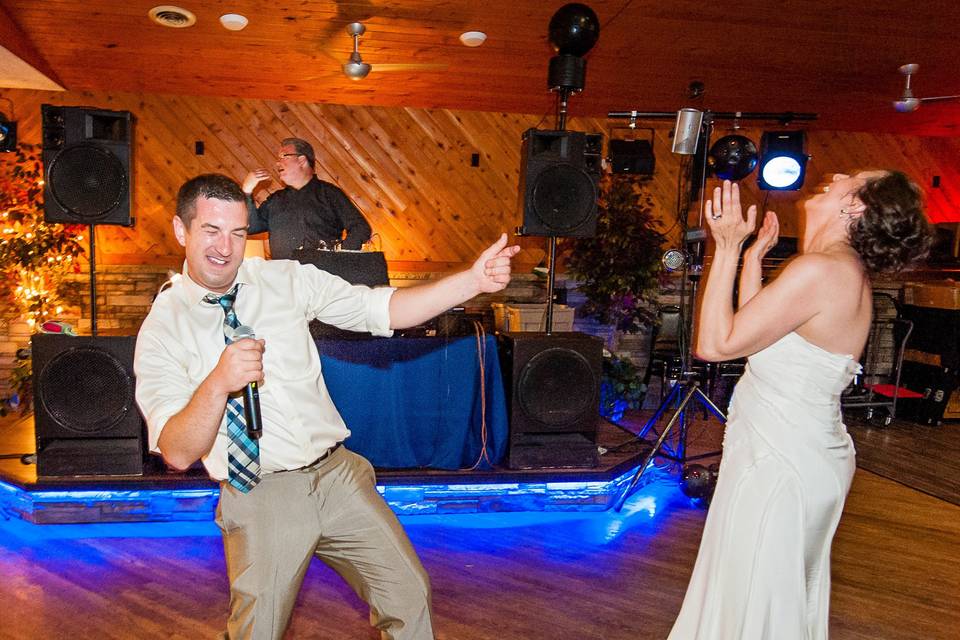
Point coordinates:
[(409, 170)]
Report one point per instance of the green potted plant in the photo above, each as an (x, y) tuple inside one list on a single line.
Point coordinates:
[(617, 269), (620, 387)]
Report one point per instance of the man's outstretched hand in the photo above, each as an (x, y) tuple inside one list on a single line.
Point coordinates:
[(492, 268)]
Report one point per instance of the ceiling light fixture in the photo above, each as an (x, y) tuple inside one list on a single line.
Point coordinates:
[(168, 15), (473, 38), (233, 21)]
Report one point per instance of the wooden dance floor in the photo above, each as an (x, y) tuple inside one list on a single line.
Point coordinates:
[(577, 576)]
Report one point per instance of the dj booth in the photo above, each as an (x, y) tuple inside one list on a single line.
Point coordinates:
[(419, 402), (410, 402), (356, 267)]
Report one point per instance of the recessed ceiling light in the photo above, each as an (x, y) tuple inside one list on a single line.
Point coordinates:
[(473, 38), (168, 15), (233, 21)]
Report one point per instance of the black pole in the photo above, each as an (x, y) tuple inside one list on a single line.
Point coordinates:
[(93, 281), (551, 278), (562, 95)]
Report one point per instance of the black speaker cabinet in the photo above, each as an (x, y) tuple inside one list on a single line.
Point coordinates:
[(559, 173), (86, 419), (553, 397), (86, 165), (632, 156)]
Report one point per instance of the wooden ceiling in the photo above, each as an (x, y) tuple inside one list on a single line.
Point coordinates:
[(836, 58)]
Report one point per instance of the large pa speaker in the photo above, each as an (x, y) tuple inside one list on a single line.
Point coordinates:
[(86, 418), (559, 173), (86, 165), (553, 397)]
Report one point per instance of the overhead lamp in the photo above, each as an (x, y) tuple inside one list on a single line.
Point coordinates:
[(8, 135), (783, 161), (733, 157), (473, 38), (234, 21)]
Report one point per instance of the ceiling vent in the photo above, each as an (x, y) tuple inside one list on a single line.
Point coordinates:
[(170, 16)]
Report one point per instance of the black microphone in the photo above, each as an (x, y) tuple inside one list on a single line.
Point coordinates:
[(251, 397)]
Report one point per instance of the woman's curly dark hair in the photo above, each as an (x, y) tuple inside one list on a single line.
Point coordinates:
[(893, 232)]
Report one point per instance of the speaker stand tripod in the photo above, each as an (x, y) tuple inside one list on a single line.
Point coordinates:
[(680, 395)]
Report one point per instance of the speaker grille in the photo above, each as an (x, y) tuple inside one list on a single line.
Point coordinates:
[(557, 387), (75, 376), (87, 181), (564, 198)]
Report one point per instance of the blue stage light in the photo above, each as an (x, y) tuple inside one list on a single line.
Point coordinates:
[(8, 135), (783, 161)]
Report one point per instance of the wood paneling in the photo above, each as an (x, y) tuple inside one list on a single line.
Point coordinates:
[(409, 169)]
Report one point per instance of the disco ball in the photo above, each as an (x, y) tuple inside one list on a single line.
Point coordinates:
[(696, 481), (574, 29), (732, 157)]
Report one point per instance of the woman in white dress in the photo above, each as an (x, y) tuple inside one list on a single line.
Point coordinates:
[(763, 569)]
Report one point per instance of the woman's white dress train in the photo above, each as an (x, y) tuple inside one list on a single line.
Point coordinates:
[(763, 569)]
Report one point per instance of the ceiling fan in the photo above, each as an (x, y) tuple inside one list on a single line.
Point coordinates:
[(908, 102), (356, 69)]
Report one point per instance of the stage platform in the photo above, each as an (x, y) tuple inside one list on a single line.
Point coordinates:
[(160, 495)]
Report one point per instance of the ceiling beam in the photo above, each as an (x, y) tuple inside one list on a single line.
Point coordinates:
[(21, 54)]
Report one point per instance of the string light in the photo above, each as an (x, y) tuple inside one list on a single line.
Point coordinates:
[(35, 258)]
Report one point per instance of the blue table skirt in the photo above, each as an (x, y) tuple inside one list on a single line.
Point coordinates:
[(416, 402)]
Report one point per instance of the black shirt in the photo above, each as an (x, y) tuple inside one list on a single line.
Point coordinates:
[(308, 218)]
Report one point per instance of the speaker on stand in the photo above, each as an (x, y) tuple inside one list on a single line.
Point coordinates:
[(553, 396), (559, 173), (87, 172), (86, 418)]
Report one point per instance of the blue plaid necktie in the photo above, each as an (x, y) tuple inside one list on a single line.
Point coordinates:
[(243, 453)]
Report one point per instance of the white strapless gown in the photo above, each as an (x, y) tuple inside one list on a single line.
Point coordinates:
[(763, 570)]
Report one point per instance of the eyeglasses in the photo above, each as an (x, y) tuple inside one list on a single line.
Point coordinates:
[(287, 155)]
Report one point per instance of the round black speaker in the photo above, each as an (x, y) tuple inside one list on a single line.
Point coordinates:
[(557, 386), (564, 198), (87, 181), (85, 390)]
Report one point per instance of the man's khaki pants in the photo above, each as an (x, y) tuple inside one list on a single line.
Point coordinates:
[(331, 510)]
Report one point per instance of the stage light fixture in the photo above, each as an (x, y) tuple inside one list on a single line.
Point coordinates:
[(783, 161), (732, 157), (8, 135)]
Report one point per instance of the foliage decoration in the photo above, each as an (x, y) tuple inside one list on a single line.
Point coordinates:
[(618, 268), (35, 257), (620, 387)]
